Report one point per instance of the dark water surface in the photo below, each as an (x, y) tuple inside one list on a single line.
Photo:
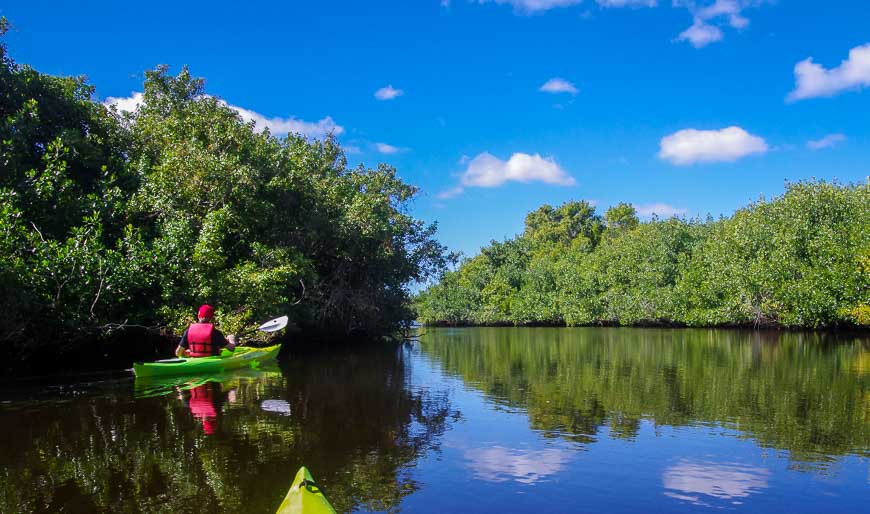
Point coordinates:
[(467, 420)]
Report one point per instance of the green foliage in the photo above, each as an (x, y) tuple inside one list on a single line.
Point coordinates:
[(136, 218), (66, 244), (637, 271), (622, 216), (572, 223), (800, 260), (793, 261)]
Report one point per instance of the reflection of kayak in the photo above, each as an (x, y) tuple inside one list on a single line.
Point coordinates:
[(161, 385), (243, 357), (305, 497)]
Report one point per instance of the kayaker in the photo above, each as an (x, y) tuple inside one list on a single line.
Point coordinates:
[(203, 339)]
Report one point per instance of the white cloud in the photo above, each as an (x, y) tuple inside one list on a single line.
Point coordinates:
[(719, 8), (128, 104), (662, 210), (738, 22), (450, 193), (704, 29), (627, 3), (812, 80), (701, 34), (277, 126), (384, 148), (388, 93), (533, 6), (708, 15), (487, 170), (558, 85), (281, 126), (729, 144), (828, 141)]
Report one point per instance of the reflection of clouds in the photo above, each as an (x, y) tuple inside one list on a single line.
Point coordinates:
[(499, 464), (688, 481), (278, 406)]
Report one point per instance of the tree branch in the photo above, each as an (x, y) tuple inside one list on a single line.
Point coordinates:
[(37, 231), (301, 296), (99, 289)]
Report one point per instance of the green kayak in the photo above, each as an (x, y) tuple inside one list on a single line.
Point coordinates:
[(305, 497), (243, 357)]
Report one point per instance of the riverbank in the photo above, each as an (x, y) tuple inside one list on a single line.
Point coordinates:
[(798, 261), (115, 352), (844, 328)]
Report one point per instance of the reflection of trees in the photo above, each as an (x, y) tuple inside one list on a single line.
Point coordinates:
[(353, 419), (359, 424), (791, 391)]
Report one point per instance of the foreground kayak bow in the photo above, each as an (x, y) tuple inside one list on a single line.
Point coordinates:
[(305, 497), (243, 357)]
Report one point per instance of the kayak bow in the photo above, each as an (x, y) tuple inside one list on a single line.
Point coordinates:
[(243, 357), (305, 497)]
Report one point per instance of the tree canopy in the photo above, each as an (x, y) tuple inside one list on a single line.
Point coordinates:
[(111, 219), (799, 260)]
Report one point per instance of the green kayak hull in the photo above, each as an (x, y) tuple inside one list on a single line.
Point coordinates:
[(244, 357), (304, 497)]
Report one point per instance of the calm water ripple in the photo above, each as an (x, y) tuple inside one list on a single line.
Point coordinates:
[(467, 420)]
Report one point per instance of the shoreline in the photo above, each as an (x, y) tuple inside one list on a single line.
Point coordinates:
[(840, 329)]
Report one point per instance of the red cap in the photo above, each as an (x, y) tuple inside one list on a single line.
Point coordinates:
[(206, 311)]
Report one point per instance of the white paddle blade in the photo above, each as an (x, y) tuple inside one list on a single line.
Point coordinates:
[(273, 325)]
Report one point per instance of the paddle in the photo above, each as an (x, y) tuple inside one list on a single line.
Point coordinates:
[(273, 325)]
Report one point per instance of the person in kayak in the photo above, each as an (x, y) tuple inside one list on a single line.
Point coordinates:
[(203, 339)]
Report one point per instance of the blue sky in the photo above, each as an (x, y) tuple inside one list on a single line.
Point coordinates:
[(495, 107)]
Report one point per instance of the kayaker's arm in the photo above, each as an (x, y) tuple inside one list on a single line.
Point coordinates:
[(182, 352), (224, 342)]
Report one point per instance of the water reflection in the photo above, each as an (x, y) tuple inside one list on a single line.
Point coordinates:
[(807, 394), (205, 403), (277, 406), (499, 464), (227, 443), (703, 482), (482, 420)]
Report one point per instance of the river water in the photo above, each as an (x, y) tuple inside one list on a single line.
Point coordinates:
[(466, 420)]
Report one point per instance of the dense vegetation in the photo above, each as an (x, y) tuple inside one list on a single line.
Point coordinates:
[(800, 260), (111, 219)]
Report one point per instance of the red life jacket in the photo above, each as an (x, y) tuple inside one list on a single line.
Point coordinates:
[(199, 340)]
